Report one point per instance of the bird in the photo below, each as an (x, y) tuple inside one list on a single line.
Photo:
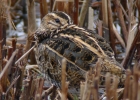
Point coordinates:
[(58, 38)]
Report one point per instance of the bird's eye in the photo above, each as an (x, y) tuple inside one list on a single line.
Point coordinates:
[(57, 20)]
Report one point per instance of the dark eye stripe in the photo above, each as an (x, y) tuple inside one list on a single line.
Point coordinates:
[(57, 20), (63, 15)]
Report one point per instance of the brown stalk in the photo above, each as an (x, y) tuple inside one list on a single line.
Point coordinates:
[(25, 55), (138, 6), (5, 72), (76, 11), (107, 86), (119, 37), (131, 31), (121, 19), (115, 86), (59, 93), (0, 54), (19, 71), (45, 93), (66, 6), (31, 27), (10, 51), (43, 8), (130, 88), (14, 41), (124, 12), (105, 13), (138, 96), (9, 43), (110, 22), (88, 85), (129, 55), (32, 86), (59, 5), (98, 67), (130, 14), (26, 89), (135, 83), (83, 12), (95, 89), (100, 28), (64, 85), (39, 89), (96, 4), (13, 82), (8, 64), (82, 86), (3, 16), (51, 5), (127, 80)]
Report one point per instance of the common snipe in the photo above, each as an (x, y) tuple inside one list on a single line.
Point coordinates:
[(58, 38)]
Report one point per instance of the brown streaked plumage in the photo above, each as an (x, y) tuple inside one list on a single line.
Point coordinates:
[(58, 38)]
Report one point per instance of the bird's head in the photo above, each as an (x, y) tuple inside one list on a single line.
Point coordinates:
[(51, 22), (56, 19)]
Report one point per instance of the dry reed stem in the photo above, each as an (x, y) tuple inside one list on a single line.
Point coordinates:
[(100, 28), (39, 88), (45, 93), (66, 6), (64, 85), (26, 89), (129, 55), (88, 85), (126, 88), (31, 27), (96, 4), (98, 67), (18, 45), (115, 86), (130, 3), (95, 89), (83, 12), (138, 6), (12, 83), (43, 8), (110, 25), (25, 55), (10, 51), (107, 85), (105, 13), (131, 31), (124, 12), (32, 86), (118, 37), (135, 82), (2, 28), (76, 11), (8, 64), (82, 86), (121, 19), (138, 93), (130, 88), (0, 54)]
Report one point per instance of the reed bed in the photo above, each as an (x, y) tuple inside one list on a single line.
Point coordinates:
[(115, 20)]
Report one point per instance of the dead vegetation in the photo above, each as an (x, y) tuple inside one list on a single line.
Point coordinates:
[(115, 20)]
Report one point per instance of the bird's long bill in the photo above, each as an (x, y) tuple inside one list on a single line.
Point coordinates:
[(113, 67)]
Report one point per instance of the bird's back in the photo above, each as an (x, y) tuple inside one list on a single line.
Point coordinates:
[(80, 47)]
